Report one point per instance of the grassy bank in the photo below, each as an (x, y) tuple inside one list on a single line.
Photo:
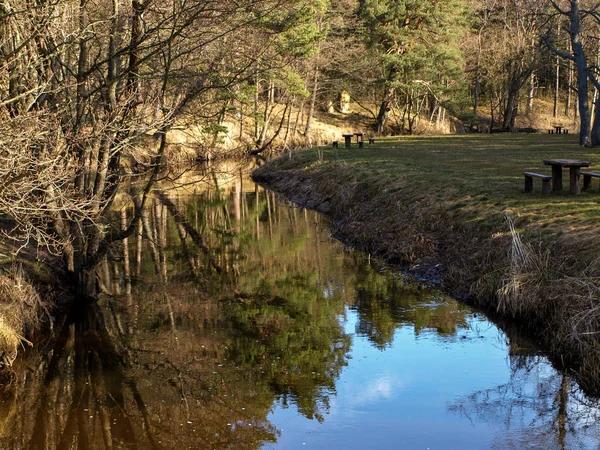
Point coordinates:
[(453, 208)]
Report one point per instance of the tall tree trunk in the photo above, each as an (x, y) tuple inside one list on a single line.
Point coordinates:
[(531, 94), (492, 115), (82, 69), (86, 284), (569, 83), (477, 74), (582, 73), (266, 116), (137, 34), (256, 99), (126, 263), (595, 135), (384, 109), (313, 101), (556, 78), (288, 126), (512, 104), (594, 107)]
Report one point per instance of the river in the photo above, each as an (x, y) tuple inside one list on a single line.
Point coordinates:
[(237, 322)]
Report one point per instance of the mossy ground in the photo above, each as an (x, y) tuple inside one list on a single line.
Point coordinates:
[(445, 205)]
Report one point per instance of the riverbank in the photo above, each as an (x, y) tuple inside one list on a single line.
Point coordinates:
[(453, 209)]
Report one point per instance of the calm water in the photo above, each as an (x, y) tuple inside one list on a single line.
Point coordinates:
[(236, 322)]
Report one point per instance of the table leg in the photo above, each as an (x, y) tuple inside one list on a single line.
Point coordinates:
[(575, 173), (557, 178)]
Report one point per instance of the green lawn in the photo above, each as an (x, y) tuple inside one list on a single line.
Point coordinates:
[(477, 175)]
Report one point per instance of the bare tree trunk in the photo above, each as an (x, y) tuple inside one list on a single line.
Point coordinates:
[(279, 128), (151, 240), (82, 91), (531, 94), (126, 266), (595, 134), (569, 83), (266, 116), (288, 126), (313, 101), (137, 34), (594, 100), (477, 74), (298, 120), (582, 73), (443, 116), (384, 109), (256, 210), (492, 116), (556, 78), (256, 98), (139, 243), (512, 104)]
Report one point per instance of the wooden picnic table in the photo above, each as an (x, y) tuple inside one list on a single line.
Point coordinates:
[(558, 128), (359, 136), (574, 169), (348, 139)]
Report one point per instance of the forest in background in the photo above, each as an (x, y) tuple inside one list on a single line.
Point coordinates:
[(92, 90)]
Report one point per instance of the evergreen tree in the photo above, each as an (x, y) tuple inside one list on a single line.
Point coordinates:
[(416, 42)]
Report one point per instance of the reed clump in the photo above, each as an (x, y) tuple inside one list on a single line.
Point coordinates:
[(558, 295)]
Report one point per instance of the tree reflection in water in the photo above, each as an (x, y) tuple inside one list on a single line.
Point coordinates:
[(93, 392), (537, 408), (225, 303), (189, 347)]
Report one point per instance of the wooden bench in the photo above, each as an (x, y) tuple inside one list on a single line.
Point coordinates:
[(371, 140), (335, 144), (587, 179), (546, 179)]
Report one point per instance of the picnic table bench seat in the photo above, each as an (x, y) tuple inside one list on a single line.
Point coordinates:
[(546, 179), (587, 179)]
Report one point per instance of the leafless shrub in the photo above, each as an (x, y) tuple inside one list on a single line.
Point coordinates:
[(36, 174)]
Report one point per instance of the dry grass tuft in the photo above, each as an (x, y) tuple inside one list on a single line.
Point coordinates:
[(20, 312), (519, 291)]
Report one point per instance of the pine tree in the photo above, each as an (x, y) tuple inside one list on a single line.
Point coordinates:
[(416, 42)]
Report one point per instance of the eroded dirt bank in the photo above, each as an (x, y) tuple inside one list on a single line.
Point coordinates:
[(543, 285)]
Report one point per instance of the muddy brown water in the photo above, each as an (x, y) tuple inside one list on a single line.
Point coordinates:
[(278, 337)]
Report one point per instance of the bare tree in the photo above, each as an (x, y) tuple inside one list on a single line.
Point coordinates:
[(81, 83), (572, 10)]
